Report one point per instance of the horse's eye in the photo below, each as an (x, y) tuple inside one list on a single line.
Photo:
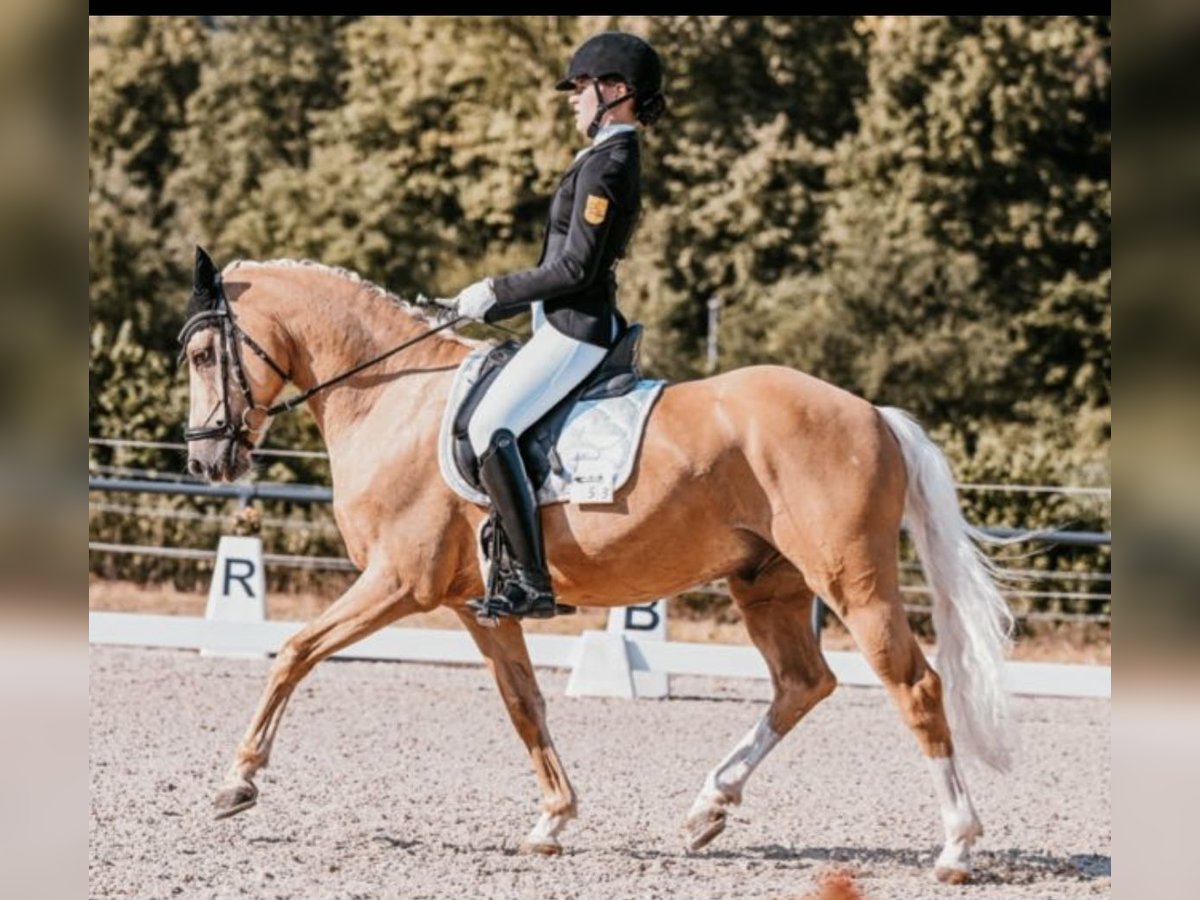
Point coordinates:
[(203, 357)]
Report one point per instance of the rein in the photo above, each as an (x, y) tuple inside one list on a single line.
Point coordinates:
[(292, 402), (232, 335)]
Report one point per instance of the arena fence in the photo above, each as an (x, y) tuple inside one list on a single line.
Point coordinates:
[(622, 660)]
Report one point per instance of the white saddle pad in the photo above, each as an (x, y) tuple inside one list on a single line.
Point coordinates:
[(598, 444)]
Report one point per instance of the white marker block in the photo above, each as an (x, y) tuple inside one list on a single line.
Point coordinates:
[(601, 667), (642, 622), (238, 592)]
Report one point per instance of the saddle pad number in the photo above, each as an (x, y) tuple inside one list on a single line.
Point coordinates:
[(591, 484), (591, 491)]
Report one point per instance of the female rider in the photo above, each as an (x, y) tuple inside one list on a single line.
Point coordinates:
[(614, 82)]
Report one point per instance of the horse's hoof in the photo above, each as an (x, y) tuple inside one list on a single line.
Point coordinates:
[(541, 847), (234, 799), (700, 829), (948, 875)]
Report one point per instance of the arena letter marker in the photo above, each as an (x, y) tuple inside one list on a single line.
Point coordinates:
[(238, 592)]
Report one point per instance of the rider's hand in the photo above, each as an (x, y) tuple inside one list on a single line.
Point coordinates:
[(476, 300)]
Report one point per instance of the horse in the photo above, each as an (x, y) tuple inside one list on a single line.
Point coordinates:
[(782, 484)]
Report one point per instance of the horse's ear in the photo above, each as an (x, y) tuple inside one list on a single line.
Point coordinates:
[(205, 278)]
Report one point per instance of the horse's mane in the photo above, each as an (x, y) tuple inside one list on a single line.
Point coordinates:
[(371, 287)]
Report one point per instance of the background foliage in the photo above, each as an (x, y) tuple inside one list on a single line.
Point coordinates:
[(917, 209)]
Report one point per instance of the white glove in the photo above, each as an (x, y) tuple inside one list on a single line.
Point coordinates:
[(476, 300)]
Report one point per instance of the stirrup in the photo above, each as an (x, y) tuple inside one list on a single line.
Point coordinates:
[(516, 600)]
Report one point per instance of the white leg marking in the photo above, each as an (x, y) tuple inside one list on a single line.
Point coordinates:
[(958, 816), (547, 828), (724, 784), (730, 776)]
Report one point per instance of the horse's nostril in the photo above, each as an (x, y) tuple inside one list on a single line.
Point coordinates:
[(195, 467)]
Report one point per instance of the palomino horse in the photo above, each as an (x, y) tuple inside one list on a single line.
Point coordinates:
[(778, 482)]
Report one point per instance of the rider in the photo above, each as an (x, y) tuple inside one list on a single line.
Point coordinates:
[(615, 82)]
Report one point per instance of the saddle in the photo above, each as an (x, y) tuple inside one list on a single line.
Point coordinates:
[(616, 376)]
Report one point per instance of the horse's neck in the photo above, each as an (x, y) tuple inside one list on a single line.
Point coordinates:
[(335, 324)]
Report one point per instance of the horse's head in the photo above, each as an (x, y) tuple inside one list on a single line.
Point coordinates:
[(229, 389)]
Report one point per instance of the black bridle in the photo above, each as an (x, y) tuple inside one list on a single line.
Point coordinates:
[(232, 336)]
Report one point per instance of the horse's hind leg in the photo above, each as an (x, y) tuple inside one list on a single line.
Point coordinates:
[(371, 602), (503, 647), (776, 604), (879, 626)]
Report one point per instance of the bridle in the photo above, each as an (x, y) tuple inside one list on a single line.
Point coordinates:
[(232, 335)]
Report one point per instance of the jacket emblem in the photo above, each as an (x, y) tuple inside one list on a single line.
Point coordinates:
[(595, 210)]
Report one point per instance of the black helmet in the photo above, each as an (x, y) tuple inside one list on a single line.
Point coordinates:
[(625, 56)]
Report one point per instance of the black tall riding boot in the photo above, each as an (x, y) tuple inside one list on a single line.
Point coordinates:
[(528, 593)]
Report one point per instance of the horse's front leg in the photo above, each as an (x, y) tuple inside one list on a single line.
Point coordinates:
[(374, 600), (508, 658)]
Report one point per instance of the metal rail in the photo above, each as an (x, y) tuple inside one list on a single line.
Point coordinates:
[(307, 493)]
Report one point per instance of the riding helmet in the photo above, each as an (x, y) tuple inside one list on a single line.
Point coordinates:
[(616, 53)]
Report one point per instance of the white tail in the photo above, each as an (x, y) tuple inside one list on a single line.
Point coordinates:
[(973, 623)]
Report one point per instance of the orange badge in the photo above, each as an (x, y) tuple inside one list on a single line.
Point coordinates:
[(596, 209)]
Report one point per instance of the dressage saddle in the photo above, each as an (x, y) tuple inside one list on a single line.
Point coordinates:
[(617, 374)]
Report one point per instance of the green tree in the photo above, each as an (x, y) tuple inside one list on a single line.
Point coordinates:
[(736, 173), (966, 254), (439, 165), (141, 71), (249, 128)]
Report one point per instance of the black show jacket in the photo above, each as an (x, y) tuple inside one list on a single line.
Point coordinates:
[(591, 218)]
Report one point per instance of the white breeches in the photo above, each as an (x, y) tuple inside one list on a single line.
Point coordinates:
[(538, 315), (545, 370)]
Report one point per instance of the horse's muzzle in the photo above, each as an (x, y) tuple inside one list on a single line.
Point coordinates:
[(209, 470), (224, 462), (200, 469)]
